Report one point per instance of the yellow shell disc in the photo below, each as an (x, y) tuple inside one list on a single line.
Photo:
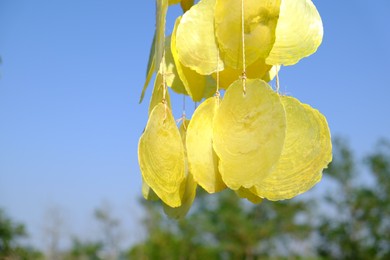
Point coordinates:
[(186, 4), (157, 50), (195, 39), (247, 194), (173, 2), (197, 86), (271, 74), (248, 133), (188, 187), (147, 192), (161, 13), (258, 69), (307, 151), (161, 156), (202, 160), (188, 190), (260, 18), (171, 75), (298, 33), (158, 93)]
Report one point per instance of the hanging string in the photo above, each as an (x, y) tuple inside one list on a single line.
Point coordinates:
[(164, 79), (184, 113), (164, 85), (243, 76), (217, 94)]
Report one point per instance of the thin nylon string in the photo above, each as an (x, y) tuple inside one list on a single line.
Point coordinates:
[(184, 113), (164, 83), (243, 76), (217, 94)]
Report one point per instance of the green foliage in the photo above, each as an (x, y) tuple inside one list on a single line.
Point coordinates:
[(10, 233), (360, 225), (84, 250), (350, 221), (223, 226)]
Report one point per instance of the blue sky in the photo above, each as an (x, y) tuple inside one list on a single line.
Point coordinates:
[(72, 74)]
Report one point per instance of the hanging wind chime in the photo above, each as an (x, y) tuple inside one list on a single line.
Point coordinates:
[(253, 140)]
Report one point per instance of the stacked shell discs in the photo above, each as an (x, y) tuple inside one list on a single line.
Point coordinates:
[(254, 141)]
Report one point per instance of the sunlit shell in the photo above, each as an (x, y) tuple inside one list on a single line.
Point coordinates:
[(258, 69), (307, 151), (186, 4), (202, 160), (197, 86), (248, 133), (173, 2), (161, 156), (157, 50), (158, 93), (247, 194), (161, 13), (188, 187), (271, 74), (298, 33), (260, 18), (189, 192), (195, 39), (171, 75), (147, 192)]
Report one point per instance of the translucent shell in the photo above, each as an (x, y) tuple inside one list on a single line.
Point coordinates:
[(247, 194), (158, 93), (260, 18), (271, 74), (248, 133), (195, 39), (161, 13), (202, 160), (173, 2), (298, 33), (307, 151), (188, 187), (186, 4), (157, 49), (161, 156), (147, 192), (196, 85), (171, 75), (258, 69)]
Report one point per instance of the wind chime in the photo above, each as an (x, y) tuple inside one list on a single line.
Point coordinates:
[(253, 140)]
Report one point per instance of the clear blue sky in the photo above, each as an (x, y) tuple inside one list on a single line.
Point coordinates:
[(72, 74)]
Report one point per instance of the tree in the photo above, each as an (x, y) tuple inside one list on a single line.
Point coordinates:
[(224, 226), (10, 233), (349, 221), (84, 250), (104, 246), (54, 230), (110, 231), (359, 227)]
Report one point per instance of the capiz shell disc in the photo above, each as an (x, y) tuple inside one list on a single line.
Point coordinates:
[(248, 133), (161, 156)]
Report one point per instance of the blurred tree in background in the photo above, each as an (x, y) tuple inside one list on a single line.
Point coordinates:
[(347, 217), (10, 235), (224, 226), (350, 221), (359, 227)]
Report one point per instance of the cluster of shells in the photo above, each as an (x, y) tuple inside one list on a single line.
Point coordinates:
[(253, 140)]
